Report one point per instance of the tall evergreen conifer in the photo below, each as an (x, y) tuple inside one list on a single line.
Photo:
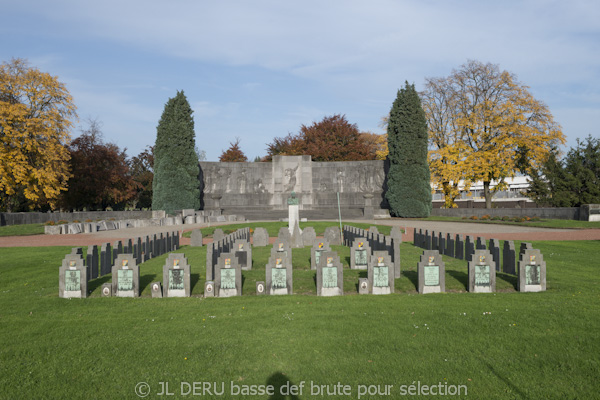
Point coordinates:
[(176, 184), (409, 190)]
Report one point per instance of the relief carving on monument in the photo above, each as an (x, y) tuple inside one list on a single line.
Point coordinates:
[(290, 174)]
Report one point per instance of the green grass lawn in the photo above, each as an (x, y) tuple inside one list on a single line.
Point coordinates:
[(22, 230), (542, 223), (505, 345)]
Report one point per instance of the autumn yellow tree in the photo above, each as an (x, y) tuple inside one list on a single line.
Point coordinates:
[(484, 125), (36, 113)]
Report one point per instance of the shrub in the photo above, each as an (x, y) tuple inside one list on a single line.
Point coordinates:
[(496, 218), (62, 222), (50, 223), (88, 220), (485, 217), (75, 221), (505, 218), (535, 218), (474, 217)]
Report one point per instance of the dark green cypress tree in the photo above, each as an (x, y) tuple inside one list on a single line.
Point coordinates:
[(409, 190), (176, 182)]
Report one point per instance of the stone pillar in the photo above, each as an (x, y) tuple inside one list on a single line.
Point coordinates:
[(368, 212)]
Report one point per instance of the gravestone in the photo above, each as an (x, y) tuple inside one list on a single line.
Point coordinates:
[(218, 235), (441, 243), (417, 237), (284, 234), (228, 276), (431, 272), (260, 238), (308, 236), (293, 212), (209, 289), (427, 244), (92, 261), (106, 290), (156, 289), (524, 247), (243, 252), (72, 277), (176, 276), (210, 264), (395, 253), (105, 259), (196, 239), (449, 246), (494, 248), (332, 236), (469, 248), (396, 232), (296, 241), (260, 288), (319, 246), (434, 241), (482, 273), (373, 230), (330, 275), (532, 271), (509, 257), (363, 286), (459, 249), (279, 275), (480, 245), (280, 246), (360, 254), (126, 276), (381, 273)]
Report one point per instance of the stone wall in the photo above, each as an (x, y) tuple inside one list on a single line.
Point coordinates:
[(545, 213), (40, 217), (259, 185)]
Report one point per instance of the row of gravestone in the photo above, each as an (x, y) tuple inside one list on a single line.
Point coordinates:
[(237, 243), (531, 277), (454, 246), (360, 240), (76, 271)]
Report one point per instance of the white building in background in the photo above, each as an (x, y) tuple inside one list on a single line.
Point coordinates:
[(517, 187)]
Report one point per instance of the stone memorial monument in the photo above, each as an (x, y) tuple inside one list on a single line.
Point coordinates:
[(126, 276), (260, 288), (260, 237), (330, 275), (319, 246), (279, 275), (72, 277), (196, 239), (360, 254), (176, 276), (532, 271), (228, 276), (381, 273), (281, 246), (482, 272), (431, 272)]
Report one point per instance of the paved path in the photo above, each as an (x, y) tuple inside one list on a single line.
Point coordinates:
[(502, 232)]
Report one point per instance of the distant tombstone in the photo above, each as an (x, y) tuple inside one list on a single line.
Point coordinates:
[(360, 254), (72, 277), (469, 248), (524, 247), (431, 272), (427, 244), (449, 245), (218, 235), (396, 232), (260, 237), (106, 290), (319, 246), (459, 249), (532, 271), (260, 288), (373, 230), (508, 257), (395, 253), (296, 241), (434, 241), (441, 243), (279, 275), (92, 261), (243, 252), (196, 238), (330, 276), (494, 248), (209, 289), (308, 236), (156, 289), (228, 276), (284, 234), (176, 276), (126, 276), (481, 243), (281, 246), (482, 273), (381, 273), (105, 259), (332, 236), (363, 286)]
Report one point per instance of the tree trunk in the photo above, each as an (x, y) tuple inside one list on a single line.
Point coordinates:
[(488, 194)]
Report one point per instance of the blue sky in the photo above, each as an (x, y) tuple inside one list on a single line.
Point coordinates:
[(260, 69)]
